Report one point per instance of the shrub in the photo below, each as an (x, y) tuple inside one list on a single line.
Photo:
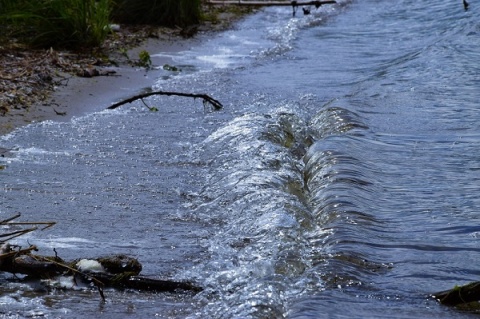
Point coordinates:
[(64, 23), (157, 12), (85, 23)]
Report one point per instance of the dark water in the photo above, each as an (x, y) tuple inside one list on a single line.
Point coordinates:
[(339, 181)]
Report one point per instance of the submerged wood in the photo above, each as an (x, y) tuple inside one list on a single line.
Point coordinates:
[(459, 294), (273, 3), (143, 283), (206, 99), (121, 271), (118, 271), (32, 265), (6, 236)]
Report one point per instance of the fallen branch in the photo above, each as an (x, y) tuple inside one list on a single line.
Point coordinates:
[(143, 283), (117, 271), (206, 99)]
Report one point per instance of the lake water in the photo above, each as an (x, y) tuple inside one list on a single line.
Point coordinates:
[(339, 181)]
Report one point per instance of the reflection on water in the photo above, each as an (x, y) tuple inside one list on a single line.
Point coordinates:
[(339, 181)]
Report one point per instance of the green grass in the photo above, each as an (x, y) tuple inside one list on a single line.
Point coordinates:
[(85, 23), (157, 12), (58, 23)]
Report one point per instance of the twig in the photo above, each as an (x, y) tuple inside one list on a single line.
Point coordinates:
[(216, 104), (17, 233), (10, 235), (10, 219), (48, 224), (18, 252)]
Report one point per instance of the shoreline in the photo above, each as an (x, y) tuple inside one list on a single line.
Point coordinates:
[(86, 95), (83, 95)]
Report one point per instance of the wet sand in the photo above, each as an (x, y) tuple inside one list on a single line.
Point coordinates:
[(79, 95)]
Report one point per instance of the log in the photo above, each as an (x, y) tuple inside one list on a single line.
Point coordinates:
[(117, 271), (143, 283), (459, 294), (33, 266), (273, 3), (206, 99), (10, 222)]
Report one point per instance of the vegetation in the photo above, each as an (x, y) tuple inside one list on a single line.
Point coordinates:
[(144, 59), (157, 12), (58, 23), (86, 23)]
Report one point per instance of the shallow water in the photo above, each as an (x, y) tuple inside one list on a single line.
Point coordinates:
[(339, 180)]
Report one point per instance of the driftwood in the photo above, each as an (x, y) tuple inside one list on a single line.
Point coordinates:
[(117, 271), (143, 283), (459, 295), (206, 99), (10, 222)]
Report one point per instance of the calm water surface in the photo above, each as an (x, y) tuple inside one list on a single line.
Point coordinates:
[(340, 180)]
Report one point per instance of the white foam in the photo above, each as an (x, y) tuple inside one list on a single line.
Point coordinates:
[(90, 265)]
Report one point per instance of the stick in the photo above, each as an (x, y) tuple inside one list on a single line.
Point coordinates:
[(17, 233), (2, 222), (48, 224), (143, 283), (8, 221), (23, 262), (206, 99), (8, 253)]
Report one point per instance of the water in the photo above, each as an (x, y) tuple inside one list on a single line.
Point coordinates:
[(339, 180)]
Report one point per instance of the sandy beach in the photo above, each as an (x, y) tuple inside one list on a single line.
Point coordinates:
[(85, 95), (76, 95), (81, 95)]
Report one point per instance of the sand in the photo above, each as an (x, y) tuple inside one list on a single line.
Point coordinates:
[(80, 95)]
